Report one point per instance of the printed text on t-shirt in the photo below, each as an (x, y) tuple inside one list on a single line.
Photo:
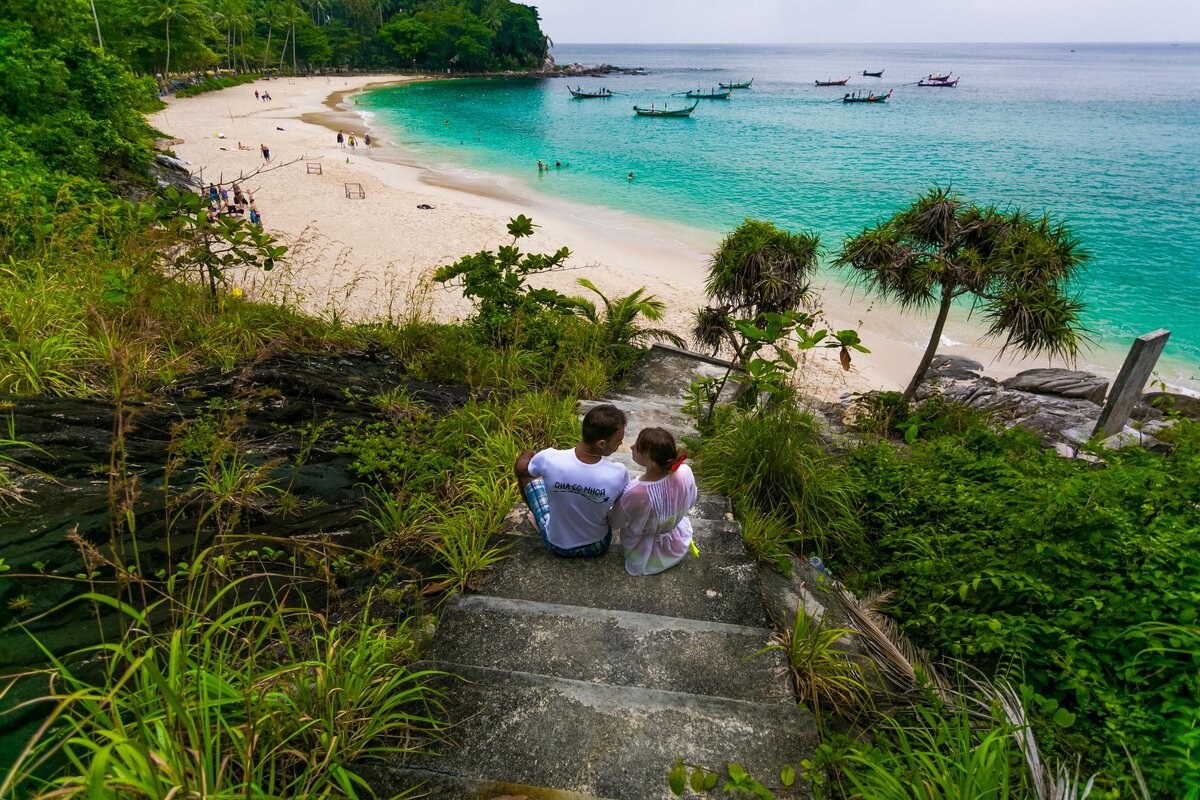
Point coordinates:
[(588, 492)]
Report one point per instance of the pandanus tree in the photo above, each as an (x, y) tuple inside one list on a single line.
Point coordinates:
[(1016, 266), (757, 269)]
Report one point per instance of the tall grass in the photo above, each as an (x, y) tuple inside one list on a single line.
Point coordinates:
[(770, 460), (237, 698)]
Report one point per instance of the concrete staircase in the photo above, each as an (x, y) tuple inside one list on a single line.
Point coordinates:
[(575, 680)]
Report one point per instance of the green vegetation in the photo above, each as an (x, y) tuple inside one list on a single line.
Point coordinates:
[(1018, 269), (1079, 584)]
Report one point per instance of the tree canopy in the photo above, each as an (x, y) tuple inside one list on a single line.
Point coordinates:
[(1016, 266)]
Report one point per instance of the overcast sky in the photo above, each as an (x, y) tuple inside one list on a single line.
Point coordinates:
[(832, 21)]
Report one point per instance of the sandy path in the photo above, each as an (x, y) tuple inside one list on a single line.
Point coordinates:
[(362, 258)]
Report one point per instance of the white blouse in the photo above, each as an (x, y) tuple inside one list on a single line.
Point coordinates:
[(652, 518)]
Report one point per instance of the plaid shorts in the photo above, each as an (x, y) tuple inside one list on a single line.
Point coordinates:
[(539, 503)]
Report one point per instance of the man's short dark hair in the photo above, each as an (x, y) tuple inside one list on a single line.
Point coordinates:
[(602, 422)]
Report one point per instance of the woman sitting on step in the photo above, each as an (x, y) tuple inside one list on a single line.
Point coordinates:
[(652, 513)]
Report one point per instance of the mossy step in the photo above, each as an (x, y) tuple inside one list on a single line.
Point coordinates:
[(717, 587), (611, 741), (613, 647)]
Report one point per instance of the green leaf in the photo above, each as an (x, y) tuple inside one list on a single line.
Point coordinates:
[(736, 772), (710, 781), (1064, 718), (787, 775), (677, 778), (697, 780)]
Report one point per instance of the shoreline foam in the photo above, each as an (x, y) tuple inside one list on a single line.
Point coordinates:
[(364, 258)]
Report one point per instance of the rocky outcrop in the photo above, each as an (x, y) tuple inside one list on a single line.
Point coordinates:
[(1060, 383), (1169, 402), (1060, 406)]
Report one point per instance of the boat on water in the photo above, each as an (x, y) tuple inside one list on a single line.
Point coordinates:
[(939, 78), (947, 84), (579, 93), (712, 94), (867, 74), (870, 97), (842, 82), (745, 85), (665, 112)]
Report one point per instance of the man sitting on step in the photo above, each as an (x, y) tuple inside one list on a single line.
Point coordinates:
[(570, 492)]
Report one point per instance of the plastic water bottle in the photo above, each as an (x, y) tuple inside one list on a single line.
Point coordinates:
[(815, 563)]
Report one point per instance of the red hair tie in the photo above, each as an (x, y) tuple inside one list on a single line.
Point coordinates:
[(677, 463)]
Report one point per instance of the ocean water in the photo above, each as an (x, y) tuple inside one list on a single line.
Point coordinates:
[(1106, 137)]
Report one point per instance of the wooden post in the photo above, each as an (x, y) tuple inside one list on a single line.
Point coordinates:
[(1131, 380)]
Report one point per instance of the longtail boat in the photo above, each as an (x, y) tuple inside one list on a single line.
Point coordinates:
[(867, 98), (939, 78), (745, 85), (578, 92), (663, 112), (842, 82), (872, 74), (700, 94), (948, 84)]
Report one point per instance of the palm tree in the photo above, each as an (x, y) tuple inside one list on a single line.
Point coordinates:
[(1017, 267), (757, 269), (165, 11), (620, 321)]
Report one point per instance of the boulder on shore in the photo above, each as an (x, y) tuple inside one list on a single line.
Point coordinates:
[(1060, 383)]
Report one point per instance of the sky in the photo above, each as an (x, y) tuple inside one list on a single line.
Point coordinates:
[(869, 21)]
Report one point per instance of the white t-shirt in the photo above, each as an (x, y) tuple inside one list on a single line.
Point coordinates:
[(580, 495)]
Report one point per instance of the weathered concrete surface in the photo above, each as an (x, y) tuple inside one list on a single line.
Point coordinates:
[(616, 648), (714, 587), (1131, 380), (612, 741)]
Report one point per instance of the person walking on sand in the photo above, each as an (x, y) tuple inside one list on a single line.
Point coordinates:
[(651, 513), (341, 140), (255, 217), (266, 152), (367, 140), (353, 144), (256, 94), (570, 492)]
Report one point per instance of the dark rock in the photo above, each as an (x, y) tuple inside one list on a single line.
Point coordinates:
[(1167, 402), (170, 171), (957, 368), (1061, 383)]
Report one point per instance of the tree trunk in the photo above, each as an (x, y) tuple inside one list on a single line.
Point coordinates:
[(167, 69), (931, 348), (96, 19), (267, 49)]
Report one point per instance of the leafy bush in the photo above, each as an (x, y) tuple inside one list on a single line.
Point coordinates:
[(1017, 560)]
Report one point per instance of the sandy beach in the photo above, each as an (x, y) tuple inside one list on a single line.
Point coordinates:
[(365, 258)]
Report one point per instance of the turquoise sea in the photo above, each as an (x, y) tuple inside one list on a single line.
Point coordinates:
[(1106, 137)]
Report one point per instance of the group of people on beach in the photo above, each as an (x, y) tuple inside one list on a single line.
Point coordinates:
[(577, 497), (344, 140), (231, 202), (265, 96), (544, 167)]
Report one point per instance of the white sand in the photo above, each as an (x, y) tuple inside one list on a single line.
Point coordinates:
[(361, 258)]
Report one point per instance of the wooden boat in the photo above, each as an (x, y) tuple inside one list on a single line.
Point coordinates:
[(947, 83), (867, 98), (939, 78), (579, 93), (663, 112), (872, 74), (842, 82), (709, 95), (745, 85)]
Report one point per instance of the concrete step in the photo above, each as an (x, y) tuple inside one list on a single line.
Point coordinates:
[(611, 741), (620, 648), (717, 587), (432, 784)]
